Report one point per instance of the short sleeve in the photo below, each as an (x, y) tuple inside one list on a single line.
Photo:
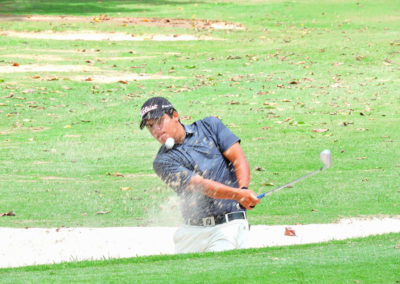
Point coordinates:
[(172, 173), (223, 135)]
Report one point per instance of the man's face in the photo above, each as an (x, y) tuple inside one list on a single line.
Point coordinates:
[(164, 127)]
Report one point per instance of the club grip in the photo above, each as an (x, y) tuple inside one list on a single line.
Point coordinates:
[(261, 195)]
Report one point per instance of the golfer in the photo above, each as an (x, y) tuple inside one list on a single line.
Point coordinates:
[(207, 168)]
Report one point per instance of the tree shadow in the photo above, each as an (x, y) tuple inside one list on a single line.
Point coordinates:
[(79, 7)]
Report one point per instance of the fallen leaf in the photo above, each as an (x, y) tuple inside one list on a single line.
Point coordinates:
[(36, 77), (362, 158), (10, 213), (123, 81), (115, 174), (103, 212), (259, 169), (15, 64), (185, 117), (258, 138), (231, 57), (290, 232), (126, 188), (59, 228), (345, 123), (320, 130), (267, 184)]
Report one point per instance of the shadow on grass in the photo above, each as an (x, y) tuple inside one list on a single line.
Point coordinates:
[(79, 7)]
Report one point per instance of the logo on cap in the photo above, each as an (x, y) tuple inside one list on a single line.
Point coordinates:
[(146, 109)]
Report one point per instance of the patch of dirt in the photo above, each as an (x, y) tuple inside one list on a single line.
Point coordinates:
[(151, 22), (123, 78), (37, 57), (139, 175), (46, 68), (100, 36), (56, 178)]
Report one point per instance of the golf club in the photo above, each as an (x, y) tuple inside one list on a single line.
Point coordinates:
[(326, 159)]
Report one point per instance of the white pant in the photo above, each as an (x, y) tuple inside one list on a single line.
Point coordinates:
[(227, 236)]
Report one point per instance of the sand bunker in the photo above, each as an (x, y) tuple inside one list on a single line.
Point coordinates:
[(152, 22), (101, 36), (21, 247)]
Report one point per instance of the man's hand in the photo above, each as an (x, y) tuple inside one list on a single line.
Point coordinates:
[(247, 198)]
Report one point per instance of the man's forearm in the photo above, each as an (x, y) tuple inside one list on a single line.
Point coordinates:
[(247, 198), (213, 189), (239, 161)]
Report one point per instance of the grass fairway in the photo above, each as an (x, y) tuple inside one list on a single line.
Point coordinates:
[(368, 260), (301, 77)]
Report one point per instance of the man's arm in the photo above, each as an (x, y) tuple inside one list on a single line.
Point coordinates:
[(236, 156), (246, 198)]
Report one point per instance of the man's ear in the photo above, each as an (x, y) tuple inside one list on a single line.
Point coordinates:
[(175, 115)]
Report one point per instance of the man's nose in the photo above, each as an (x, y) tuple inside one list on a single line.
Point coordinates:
[(156, 127)]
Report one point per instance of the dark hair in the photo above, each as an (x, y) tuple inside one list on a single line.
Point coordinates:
[(170, 112)]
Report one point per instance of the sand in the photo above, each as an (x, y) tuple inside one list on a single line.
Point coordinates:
[(33, 246)]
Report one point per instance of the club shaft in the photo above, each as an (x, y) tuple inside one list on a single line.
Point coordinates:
[(290, 183)]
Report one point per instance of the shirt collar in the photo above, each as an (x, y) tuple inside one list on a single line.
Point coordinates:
[(189, 130)]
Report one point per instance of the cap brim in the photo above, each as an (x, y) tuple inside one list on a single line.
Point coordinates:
[(149, 115)]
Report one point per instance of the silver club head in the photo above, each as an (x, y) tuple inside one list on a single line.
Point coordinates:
[(326, 158)]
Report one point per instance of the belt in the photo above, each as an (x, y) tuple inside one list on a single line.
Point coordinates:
[(216, 220)]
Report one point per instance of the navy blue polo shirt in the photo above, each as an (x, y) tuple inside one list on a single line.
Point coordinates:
[(201, 153)]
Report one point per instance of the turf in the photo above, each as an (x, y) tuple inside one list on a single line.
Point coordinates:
[(298, 69)]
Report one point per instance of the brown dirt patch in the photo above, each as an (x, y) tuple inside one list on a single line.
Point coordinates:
[(152, 22), (100, 36), (123, 78)]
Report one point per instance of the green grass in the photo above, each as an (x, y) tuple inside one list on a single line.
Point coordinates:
[(298, 66), (369, 260), (343, 58)]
